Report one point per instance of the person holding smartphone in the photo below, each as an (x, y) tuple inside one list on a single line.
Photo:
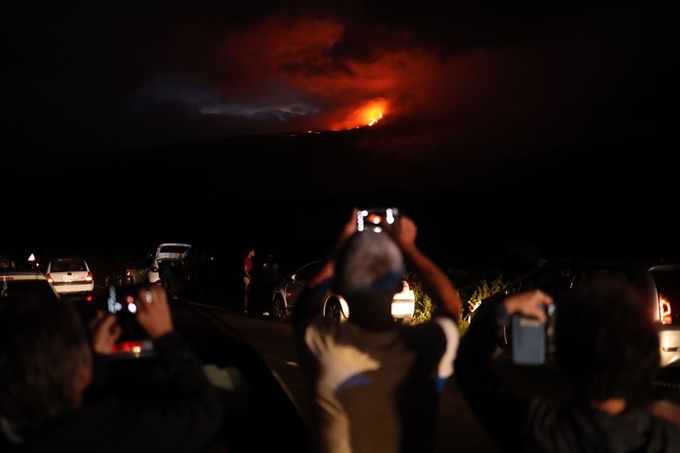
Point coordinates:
[(374, 384), (49, 364), (607, 349)]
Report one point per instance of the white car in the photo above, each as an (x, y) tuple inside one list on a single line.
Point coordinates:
[(335, 307), (144, 270), (70, 276), (21, 283), (171, 257)]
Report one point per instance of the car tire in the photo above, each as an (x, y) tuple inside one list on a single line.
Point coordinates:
[(332, 311), (278, 311)]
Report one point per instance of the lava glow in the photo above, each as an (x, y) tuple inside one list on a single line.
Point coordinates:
[(375, 120), (366, 115)]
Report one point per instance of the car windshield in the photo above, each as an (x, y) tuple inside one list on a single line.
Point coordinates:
[(173, 249), (67, 266), (667, 282)]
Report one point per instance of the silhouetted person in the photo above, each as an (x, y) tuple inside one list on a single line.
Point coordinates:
[(265, 277), (606, 347), (47, 363), (375, 383), (248, 276)]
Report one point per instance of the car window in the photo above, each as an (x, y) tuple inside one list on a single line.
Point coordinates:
[(308, 271), (173, 249), (68, 266), (667, 283), (553, 281)]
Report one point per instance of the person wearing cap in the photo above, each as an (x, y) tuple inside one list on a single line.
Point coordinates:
[(374, 384)]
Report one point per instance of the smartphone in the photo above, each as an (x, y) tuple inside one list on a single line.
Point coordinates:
[(120, 300), (528, 340), (376, 219)]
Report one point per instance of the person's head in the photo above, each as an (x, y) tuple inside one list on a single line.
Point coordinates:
[(606, 343), (250, 252), (45, 361), (368, 273)]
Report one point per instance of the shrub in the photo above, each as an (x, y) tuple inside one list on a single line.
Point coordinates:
[(424, 305), (483, 290)]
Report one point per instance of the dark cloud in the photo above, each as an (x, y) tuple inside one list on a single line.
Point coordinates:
[(453, 78)]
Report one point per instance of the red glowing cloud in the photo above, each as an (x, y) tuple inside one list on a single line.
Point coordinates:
[(452, 75)]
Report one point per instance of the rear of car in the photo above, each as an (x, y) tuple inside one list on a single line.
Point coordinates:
[(170, 259), (666, 295), (404, 303), (17, 284), (70, 276), (144, 270)]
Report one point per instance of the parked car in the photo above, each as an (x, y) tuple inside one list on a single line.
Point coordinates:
[(144, 270), (16, 284), (70, 276), (335, 308), (118, 275), (171, 257), (659, 282)]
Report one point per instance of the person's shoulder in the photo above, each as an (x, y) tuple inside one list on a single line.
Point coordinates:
[(437, 329), (316, 331)]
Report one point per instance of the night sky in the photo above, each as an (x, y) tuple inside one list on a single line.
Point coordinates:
[(495, 127)]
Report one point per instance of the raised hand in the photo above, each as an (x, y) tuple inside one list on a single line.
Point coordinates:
[(153, 311)]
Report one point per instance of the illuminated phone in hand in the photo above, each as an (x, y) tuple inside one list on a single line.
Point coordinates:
[(376, 219), (528, 340)]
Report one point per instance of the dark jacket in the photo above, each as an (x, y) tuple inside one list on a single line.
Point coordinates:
[(520, 424), (185, 421)]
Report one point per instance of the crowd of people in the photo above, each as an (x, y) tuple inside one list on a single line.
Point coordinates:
[(375, 385)]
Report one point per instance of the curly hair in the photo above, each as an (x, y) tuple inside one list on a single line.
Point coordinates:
[(43, 346), (606, 342)]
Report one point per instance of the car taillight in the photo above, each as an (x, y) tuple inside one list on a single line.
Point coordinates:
[(134, 347), (89, 298), (89, 277), (664, 310), (127, 272), (49, 278)]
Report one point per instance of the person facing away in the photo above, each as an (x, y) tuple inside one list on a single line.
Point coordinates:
[(47, 363), (607, 348), (248, 276), (374, 383), (270, 278)]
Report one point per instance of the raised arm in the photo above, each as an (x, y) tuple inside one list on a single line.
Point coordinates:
[(436, 283)]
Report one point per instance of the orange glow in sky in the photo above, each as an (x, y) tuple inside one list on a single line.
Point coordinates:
[(366, 115)]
